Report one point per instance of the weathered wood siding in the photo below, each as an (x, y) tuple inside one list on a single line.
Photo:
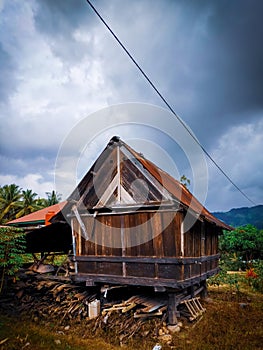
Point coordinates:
[(145, 234), (115, 248)]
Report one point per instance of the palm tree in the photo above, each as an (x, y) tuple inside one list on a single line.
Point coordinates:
[(28, 204), (52, 198), (10, 196)]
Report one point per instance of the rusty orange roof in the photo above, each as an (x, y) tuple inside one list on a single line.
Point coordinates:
[(177, 189), (90, 191), (39, 216)]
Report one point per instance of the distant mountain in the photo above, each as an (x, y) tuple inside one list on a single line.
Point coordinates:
[(242, 216)]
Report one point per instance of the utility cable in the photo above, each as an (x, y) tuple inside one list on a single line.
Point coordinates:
[(167, 104)]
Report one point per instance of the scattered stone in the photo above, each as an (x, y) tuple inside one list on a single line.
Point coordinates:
[(166, 338), (57, 341), (208, 300), (160, 332), (165, 330), (174, 329), (67, 328)]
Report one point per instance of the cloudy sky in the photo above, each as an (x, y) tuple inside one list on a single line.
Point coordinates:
[(59, 65)]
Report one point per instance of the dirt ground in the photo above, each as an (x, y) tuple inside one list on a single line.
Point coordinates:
[(233, 320)]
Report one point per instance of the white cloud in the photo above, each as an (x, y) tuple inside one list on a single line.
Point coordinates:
[(36, 182)]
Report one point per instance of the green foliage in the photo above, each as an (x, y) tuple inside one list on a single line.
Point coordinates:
[(222, 278), (218, 279), (241, 249), (12, 245), (10, 196), (185, 181), (232, 262), (15, 202), (53, 198), (245, 242), (28, 204)]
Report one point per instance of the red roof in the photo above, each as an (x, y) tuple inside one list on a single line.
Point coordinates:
[(39, 215)]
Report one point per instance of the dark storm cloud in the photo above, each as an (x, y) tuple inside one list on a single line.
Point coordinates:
[(208, 48), (225, 72), (235, 34), (18, 166), (58, 20), (60, 17), (59, 63)]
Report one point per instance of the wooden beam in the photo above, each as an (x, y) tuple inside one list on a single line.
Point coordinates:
[(147, 260), (107, 194), (74, 247), (81, 223), (118, 175), (182, 238), (202, 238), (93, 279)]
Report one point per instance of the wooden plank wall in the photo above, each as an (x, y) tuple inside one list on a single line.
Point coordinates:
[(145, 234), (162, 239), (192, 241)]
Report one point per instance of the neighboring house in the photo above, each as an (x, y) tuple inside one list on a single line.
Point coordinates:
[(128, 221), (42, 237)]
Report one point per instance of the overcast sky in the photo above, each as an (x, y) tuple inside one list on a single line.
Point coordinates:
[(59, 64)]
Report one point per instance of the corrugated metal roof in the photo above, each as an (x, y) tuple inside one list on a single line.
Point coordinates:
[(177, 189), (88, 188), (39, 216)]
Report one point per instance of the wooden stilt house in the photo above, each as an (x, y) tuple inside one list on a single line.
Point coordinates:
[(127, 218)]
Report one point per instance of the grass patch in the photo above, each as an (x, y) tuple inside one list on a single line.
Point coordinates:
[(25, 334), (226, 325)]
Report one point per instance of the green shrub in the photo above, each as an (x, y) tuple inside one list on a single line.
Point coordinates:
[(12, 245), (245, 242), (232, 262), (223, 278)]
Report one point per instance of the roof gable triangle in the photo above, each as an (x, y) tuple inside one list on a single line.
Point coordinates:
[(117, 178)]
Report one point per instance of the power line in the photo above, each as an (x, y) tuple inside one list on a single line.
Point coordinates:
[(167, 104)]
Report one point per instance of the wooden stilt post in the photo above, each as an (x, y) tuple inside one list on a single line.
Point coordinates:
[(204, 291), (172, 308)]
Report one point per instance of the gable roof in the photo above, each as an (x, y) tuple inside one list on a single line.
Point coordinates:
[(38, 217), (121, 177)]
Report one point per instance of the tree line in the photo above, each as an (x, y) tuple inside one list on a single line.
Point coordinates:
[(241, 250), (16, 202)]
